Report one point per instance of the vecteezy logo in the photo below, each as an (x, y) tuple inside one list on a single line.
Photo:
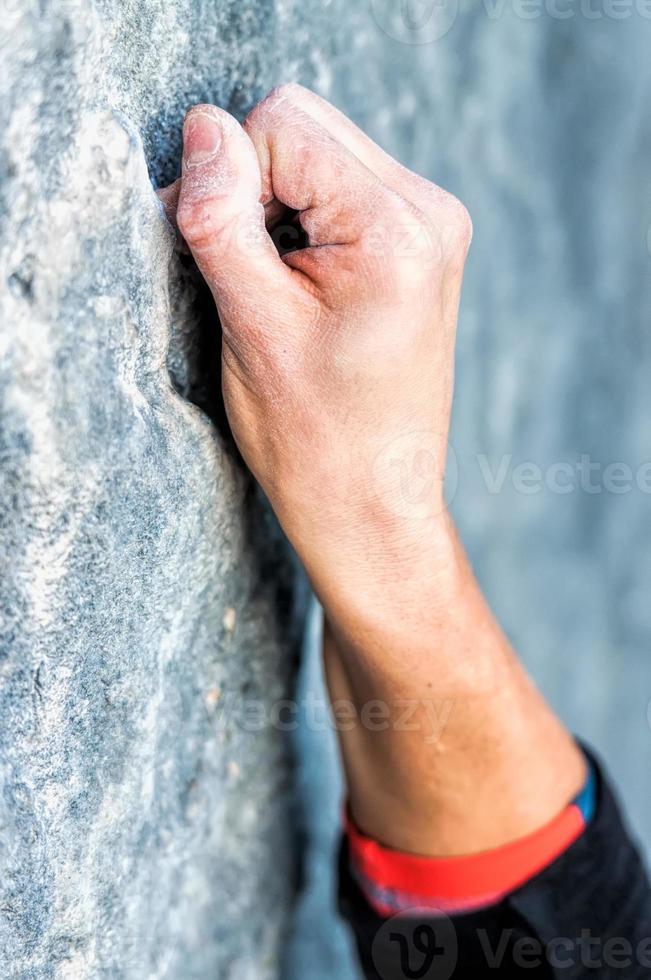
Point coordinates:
[(419, 944), (408, 475), (415, 21), (424, 942)]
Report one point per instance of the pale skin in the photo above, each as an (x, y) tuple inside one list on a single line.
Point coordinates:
[(337, 380)]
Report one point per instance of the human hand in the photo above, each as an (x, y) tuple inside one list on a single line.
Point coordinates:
[(337, 358)]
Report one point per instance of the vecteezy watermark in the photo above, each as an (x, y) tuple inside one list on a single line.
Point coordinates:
[(583, 475), (418, 943), (315, 713), (564, 952), (426, 21), (569, 9), (415, 475), (423, 942), (405, 239), (415, 21)]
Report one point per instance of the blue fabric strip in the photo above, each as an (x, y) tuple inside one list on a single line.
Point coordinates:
[(586, 801)]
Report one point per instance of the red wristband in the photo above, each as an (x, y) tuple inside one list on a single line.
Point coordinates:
[(394, 882)]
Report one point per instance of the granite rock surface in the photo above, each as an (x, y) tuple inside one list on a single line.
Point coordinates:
[(147, 598)]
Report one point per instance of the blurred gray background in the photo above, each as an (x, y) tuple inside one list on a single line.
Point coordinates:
[(536, 116)]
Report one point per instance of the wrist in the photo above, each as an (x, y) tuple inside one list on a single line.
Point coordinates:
[(369, 523), (407, 595), (378, 579)]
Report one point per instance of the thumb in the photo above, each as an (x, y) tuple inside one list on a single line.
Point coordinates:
[(221, 217)]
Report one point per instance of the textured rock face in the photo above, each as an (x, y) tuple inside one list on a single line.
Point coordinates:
[(142, 820), (145, 592)]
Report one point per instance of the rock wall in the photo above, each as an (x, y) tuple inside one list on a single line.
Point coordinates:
[(146, 825)]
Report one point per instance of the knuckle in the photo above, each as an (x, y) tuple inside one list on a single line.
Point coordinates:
[(459, 223), (446, 214), (288, 91), (275, 102)]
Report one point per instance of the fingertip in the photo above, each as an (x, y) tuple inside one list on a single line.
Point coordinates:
[(204, 109), (202, 138), (214, 143)]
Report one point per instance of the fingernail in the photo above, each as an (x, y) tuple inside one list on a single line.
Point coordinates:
[(202, 136)]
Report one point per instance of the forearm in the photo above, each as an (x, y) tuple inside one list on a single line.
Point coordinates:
[(461, 754)]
